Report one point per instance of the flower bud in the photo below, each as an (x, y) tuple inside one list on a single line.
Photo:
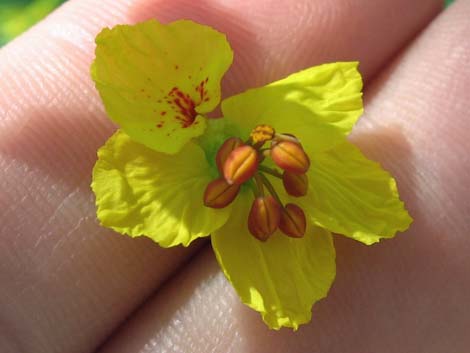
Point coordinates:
[(219, 193), (264, 217), (295, 184), (227, 147), (292, 221), (241, 164), (290, 156)]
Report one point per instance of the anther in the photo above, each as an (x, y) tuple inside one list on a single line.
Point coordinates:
[(285, 137), (292, 221), (264, 217), (224, 151), (295, 184), (219, 193), (290, 156), (241, 164)]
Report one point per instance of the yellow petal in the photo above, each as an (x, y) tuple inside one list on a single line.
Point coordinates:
[(143, 192), (354, 196), (156, 79), (280, 278), (319, 105)]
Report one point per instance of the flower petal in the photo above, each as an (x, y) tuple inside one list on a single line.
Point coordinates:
[(156, 79), (354, 196), (143, 192), (282, 277), (319, 105)]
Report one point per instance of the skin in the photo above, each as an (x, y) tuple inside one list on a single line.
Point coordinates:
[(68, 285)]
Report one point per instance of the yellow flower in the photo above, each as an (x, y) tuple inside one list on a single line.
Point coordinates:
[(171, 174)]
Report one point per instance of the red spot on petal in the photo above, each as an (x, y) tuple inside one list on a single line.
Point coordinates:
[(162, 113), (201, 89), (182, 104), (176, 67)]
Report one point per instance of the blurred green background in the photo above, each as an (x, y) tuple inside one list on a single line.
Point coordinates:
[(16, 16)]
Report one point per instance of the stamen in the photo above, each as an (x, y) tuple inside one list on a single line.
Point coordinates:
[(286, 137), (270, 171), (264, 217), (295, 184), (240, 162), (270, 187), (224, 151), (293, 222), (290, 156), (220, 194), (259, 184)]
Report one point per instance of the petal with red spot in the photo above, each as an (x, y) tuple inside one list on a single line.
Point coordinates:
[(157, 80)]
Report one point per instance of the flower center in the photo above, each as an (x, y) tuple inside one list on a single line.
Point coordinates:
[(242, 162)]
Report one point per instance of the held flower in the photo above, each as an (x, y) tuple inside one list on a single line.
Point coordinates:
[(269, 181)]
